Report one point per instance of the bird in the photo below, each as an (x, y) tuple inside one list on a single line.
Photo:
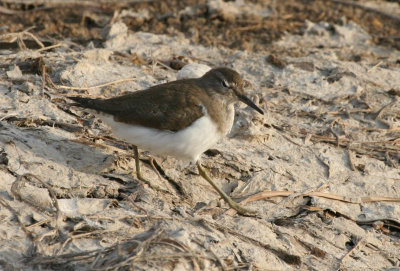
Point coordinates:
[(182, 118)]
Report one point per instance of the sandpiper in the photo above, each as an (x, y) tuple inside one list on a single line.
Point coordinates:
[(183, 118)]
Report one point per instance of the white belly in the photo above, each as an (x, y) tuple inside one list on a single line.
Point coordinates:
[(187, 144)]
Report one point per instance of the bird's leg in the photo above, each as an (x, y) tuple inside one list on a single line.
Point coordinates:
[(137, 163), (139, 173), (153, 166), (241, 210)]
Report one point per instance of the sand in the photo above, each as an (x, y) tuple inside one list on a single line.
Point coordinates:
[(320, 167)]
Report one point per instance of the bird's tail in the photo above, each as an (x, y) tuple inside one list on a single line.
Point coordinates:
[(85, 102)]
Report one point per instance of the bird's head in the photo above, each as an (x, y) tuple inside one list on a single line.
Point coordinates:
[(228, 83)]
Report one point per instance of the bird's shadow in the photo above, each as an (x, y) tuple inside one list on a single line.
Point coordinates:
[(41, 144)]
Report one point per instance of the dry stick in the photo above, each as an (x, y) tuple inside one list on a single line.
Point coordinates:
[(158, 62), (388, 222), (7, 11), (92, 87), (43, 76), (386, 130), (5, 117), (270, 194), (42, 122), (351, 111), (21, 43), (52, 193), (202, 60), (345, 142), (249, 27), (49, 47), (169, 256), (19, 37), (219, 261), (288, 138), (283, 255), (114, 17), (366, 8), (153, 166), (389, 160), (15, 192), (62, 258), (337, 120), (140, 249), (359, 243), (247, 266), (44, 221), (34, 38), (373, 67), (15, 213), (350, 155), (51, 233), (99, 255), (181, 247), (385, 107)]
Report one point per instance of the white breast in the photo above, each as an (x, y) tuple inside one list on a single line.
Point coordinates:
[(187, 144)]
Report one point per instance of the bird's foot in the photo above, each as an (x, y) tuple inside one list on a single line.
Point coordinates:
[(140, 177), (234, 205), (240, 209)]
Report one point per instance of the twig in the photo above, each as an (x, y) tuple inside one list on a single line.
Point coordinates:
[(15, 213), (359, 243), (7, 11), (19, 37), (92, 87), (44, 221), (143, 210), (366, 8), (283, 255), (385, 107), (373, 67), (18, 184), (34, 38), (51, 233), (182, 248), (158, 62), (162, 257), (368, 129), (350, 111), (42, 122), (43, 75), (271, 194), (49, 47), (249, 27), (337, 120), (390, 160), (350, 155), (5, 117), (219, 261), (139, 250)]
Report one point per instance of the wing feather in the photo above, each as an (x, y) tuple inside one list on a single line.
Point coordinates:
[(171, 106)]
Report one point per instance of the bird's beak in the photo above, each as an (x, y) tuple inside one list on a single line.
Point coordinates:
[(247, 101)]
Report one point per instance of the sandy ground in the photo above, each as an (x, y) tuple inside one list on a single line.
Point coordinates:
[(321, 167)]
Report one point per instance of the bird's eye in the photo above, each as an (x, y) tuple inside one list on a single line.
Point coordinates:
[(225, 83)]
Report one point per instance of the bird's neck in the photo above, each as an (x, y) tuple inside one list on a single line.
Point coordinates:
[(222, 114)]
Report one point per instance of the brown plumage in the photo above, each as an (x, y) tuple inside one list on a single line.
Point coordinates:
[(175, 105), (164, 107)]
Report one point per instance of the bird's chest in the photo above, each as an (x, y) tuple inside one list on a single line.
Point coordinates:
[(229, 116), (223, 115)]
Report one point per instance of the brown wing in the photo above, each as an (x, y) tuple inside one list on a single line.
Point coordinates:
[(169, 106)]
